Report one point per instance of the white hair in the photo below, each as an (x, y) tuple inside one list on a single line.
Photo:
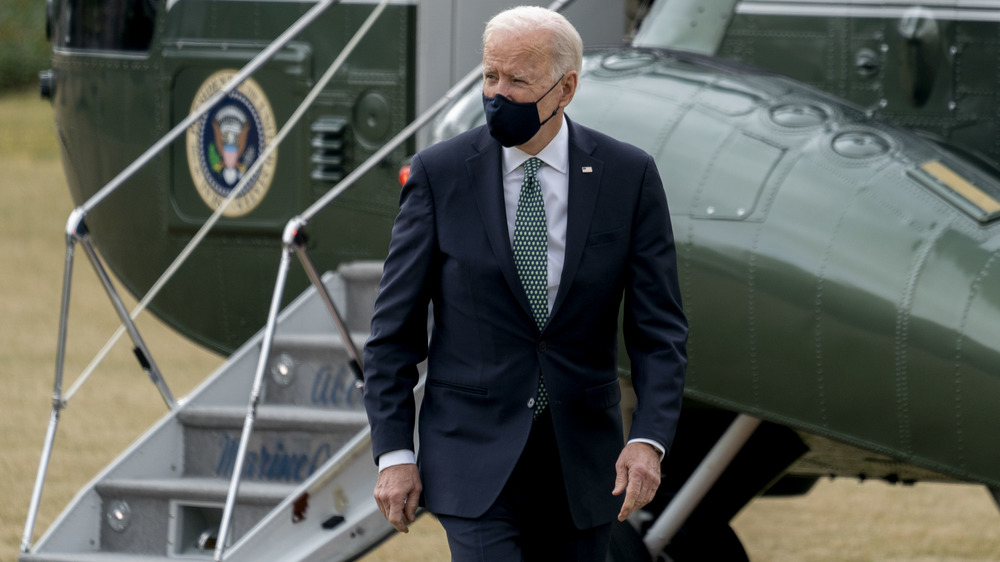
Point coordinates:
[(566, 47)]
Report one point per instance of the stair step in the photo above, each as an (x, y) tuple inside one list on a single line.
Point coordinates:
[(273, 418), (361, 280), (149, 517), (198, 489), (104, 557), (312, 370), (321, 341), (288, 443), (310, 407)]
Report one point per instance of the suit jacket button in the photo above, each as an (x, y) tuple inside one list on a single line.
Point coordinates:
[(541, 347), (531, 402)]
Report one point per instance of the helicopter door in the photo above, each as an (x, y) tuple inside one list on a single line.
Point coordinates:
[(212, 158)]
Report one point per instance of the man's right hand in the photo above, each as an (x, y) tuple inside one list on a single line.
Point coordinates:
[(397, 493)]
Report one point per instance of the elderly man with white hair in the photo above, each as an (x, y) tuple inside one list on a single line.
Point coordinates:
[(528, 235)]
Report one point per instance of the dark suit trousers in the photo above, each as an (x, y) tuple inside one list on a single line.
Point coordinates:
[(530, 520)]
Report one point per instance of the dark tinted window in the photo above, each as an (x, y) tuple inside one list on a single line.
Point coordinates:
[(107, 25)]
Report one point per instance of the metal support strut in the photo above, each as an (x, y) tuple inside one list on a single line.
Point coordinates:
[(57, 400), (141, 351), (76, 232), (295, 237), (700, 482)]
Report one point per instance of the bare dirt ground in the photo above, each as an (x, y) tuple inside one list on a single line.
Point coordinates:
[(837, 520)]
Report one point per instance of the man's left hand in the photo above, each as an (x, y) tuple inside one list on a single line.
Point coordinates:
[(638, 470)]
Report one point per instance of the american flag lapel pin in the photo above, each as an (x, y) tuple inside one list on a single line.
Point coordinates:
[(587, 169)]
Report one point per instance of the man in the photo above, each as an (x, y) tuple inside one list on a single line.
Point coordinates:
[(520, 427)]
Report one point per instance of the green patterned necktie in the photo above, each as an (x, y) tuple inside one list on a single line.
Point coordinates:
[(531, 254)]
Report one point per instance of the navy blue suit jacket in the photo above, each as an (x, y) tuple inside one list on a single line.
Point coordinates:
[(450, 247)]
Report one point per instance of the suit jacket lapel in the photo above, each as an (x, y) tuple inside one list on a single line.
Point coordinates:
[(485, 175), (585, 174)]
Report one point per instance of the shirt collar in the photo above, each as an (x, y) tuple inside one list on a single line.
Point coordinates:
[(555, 154)]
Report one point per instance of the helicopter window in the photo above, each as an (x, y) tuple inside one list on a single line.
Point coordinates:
[(107, 25)]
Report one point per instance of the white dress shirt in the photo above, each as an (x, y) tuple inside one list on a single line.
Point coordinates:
[(554, 179)]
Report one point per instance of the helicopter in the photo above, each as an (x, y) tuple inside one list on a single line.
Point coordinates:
[(832, 180)]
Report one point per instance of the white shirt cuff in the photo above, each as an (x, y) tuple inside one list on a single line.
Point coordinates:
[(392, 458), (655, 445)]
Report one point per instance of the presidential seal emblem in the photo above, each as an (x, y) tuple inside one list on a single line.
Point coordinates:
[(226, 141)]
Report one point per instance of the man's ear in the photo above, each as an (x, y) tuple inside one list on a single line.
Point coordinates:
[(568, 88)]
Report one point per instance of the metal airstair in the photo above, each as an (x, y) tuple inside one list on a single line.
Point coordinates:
[(308, 475), (288, 476)]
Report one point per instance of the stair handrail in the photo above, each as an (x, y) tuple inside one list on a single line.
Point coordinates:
[(77, 232), (75, 221), (227, 512), (249, 69), (294, 233), (293, 241), (294, 238)]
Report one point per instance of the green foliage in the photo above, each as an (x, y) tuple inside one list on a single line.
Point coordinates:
[(24, 51)]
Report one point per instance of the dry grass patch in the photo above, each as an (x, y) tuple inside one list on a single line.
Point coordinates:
[(847, 520)]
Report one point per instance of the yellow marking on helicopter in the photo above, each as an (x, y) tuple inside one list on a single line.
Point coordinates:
[(961, 186)]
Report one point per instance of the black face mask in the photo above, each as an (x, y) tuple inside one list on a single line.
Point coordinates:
[(514, 123)]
